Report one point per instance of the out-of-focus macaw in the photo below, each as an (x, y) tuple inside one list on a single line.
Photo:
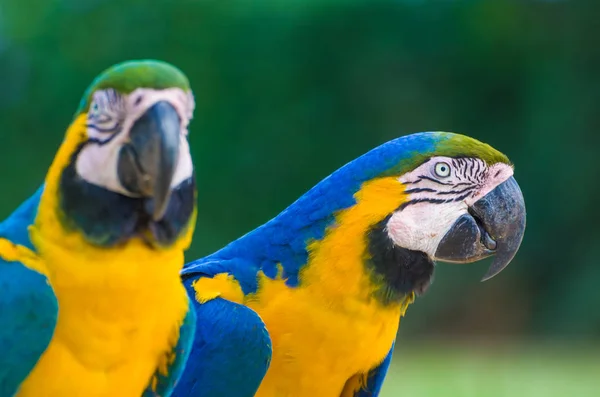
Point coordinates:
[(318, 291), (107, 233)]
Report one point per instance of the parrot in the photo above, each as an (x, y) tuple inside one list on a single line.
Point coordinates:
[(309, 303), (92, 302)]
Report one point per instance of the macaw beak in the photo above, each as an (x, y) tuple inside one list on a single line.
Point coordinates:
[(493, 226), (147, 163)]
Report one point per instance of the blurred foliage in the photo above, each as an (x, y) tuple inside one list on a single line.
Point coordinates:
[(288, 91)]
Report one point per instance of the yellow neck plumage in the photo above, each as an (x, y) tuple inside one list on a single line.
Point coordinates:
[(337, 262), (122, 265), (120, 308)]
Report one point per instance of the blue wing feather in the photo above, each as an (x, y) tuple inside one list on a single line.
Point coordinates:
[(181, 351), (28, 307), (376, 377), (231, 340), (232, 348)]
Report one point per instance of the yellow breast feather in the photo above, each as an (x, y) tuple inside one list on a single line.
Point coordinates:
[(120, 309), (330, 330)]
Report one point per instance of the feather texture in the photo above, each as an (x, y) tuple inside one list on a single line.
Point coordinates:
[(28, 307)]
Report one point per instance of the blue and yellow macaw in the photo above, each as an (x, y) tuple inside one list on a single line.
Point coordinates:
[(92, 303), (312, 299)]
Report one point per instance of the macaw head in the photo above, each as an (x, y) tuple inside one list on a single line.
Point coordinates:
[(124, 169), (460, 203)]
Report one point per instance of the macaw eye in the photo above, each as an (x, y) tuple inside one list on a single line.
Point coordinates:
[(106, 112), (442, 170)]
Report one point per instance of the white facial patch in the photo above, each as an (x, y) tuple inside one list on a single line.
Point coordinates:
[(110, 118), (496, 174), (421, 226), (439, 192)]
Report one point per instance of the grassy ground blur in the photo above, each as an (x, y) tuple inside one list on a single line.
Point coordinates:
[(437, 370)]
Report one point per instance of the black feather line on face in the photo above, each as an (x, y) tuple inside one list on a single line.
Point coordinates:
[(470, 170), (99, 142), (420, 190), (421, 177), (421, 200), (107, 130), (467, 189)]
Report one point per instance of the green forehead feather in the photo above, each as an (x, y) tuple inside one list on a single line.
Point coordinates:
[(128, 76), (425, 145), (456, 145)]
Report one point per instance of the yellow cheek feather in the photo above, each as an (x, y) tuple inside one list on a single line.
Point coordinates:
[(120, 308), (330, 330)]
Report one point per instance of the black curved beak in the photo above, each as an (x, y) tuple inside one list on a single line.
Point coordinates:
[(147, 163), (495, 225)]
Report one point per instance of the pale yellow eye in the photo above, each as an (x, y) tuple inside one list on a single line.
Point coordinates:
[(442, 170)]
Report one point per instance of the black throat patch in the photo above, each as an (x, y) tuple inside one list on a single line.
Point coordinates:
[(108, 218), (398, 270)]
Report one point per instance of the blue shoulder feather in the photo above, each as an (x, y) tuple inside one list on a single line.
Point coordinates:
[(231, 340), (28, 307), (232, 348), (283, 240)]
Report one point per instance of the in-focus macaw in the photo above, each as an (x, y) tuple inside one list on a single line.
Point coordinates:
[(107, 233), (319, 290)]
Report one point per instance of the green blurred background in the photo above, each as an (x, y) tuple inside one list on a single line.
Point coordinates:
[(288, 91)]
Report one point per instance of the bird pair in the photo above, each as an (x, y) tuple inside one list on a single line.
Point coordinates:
[(95, 299)]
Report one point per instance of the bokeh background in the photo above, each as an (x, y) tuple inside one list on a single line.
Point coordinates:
[(287, 91)]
